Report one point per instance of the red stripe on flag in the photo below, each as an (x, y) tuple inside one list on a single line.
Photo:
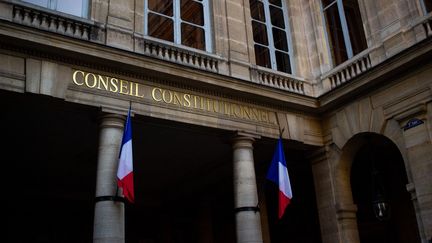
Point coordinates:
[(283, 203), (128, 187)]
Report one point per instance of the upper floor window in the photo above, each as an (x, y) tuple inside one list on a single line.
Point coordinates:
[(73, 7), (270, 34), (344, 29), (184, 22), (427, 4)]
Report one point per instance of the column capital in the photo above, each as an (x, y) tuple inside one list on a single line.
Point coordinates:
[(110, 120), (244, 139)]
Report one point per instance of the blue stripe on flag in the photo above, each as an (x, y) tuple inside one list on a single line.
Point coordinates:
[(278, 156), (127, 134)]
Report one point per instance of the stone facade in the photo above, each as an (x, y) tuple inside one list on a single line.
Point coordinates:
[(325, 107)]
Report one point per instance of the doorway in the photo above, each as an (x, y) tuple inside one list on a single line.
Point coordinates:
[(378, 182), (183, 184)]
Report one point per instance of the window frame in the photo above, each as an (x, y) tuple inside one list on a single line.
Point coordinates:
[(52, 5), (344, 25), (271, 42), (423, 5), (177, 21)]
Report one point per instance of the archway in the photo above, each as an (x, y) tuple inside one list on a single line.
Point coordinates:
[(378, 182)]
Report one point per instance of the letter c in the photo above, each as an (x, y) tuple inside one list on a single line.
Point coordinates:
[(154, 94), (74, 77)]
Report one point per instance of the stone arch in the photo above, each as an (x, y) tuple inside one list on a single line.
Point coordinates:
[(343, 165), (378, 173), (360, 117), (350, 124)]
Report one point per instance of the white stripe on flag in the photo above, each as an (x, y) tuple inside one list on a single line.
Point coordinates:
[(125, 165), (284, 182)]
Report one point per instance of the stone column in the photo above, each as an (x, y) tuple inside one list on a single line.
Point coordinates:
[(109, 212), (321, 170), (248, 222), (418, 144), (337, 212)]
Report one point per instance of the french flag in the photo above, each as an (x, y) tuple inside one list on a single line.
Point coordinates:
[(125, 167), (278, 173)]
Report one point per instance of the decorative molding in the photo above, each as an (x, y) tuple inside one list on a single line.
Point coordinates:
[(408, 106), (346, 211), (410, 112)]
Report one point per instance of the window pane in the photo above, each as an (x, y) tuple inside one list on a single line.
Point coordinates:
[(42, 3), (259, 33), (355, 26), (192, 12), (262, 56), (160, 27), (164, 7), (277, 17), (276, 2), (428, 5), (192, 36), (73, 7), (271, 48), (283, 63), (280, 40), (335, 35), (257, 10)]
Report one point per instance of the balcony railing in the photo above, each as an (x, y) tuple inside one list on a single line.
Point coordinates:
[(361, 63), (57, 23), (350, 70), (279, 80), (347, 71), (180, 55)]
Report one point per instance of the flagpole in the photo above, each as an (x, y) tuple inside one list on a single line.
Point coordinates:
[(280, 130)]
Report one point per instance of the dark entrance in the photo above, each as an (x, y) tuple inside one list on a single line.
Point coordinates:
[(49, 156), (378, 180), (184, 187), (183, 184), (183, 178)]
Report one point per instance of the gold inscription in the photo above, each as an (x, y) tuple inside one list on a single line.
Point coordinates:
[(110, 84), (166, 96), (209, 105)]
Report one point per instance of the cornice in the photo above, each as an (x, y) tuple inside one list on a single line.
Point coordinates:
[(76, 52)]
